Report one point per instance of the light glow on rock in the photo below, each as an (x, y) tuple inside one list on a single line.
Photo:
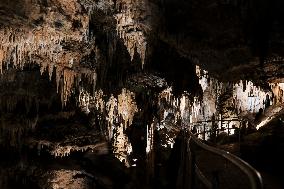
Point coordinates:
[(120, 112)]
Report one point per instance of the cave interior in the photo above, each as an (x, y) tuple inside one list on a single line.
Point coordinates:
[(96, 93)]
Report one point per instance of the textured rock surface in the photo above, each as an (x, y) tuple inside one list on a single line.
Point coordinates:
[(86, 83)]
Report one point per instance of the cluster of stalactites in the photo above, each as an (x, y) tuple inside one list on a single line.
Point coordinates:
[(124, 106), (127, 106), (63, 151), (59, 150), (43, 46), (150, 138), (19, 46), (119, 111), (122, 145), (112, 117), (168, 96), (278, 91), (87, 101), (212, 104), (206, 108), (66, 81), (210, 84), (244, 96), (248, 97), (173, 114), (130, 28), (274, 59), (180, 107)]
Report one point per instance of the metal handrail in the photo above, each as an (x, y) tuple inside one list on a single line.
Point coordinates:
[(253, 175)]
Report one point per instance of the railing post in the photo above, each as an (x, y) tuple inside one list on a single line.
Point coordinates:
[(216, 181), (193, 171), (192, 168), (204, 130), (228, 127)]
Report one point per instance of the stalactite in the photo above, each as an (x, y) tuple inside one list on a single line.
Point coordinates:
[(59, 72), (84, 101), (57, 149), (46, 42), (99, 100), (246, 97), (187, 113), (150, 138), (150, 150), (201, 111), (91, 76), (63, 151), (173, 115), (124, 107), (1, 60), (166, 94), (129, 27), (112, 116), (249, 97), (122, 146), (68, 82), (277, 89), (43, 44), (274, 59), (50, 70), (184, 109), (127, 106), (206, 108)]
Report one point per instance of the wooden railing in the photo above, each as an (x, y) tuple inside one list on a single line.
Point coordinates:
[(206, 167)]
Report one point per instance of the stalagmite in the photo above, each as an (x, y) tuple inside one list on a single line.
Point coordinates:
[(150, 138), (99, 100), (112, 117), (123, 106), (122, 145), (277, 89), (127, 106)]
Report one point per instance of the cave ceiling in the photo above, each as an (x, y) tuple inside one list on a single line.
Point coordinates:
[(227, 38)]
